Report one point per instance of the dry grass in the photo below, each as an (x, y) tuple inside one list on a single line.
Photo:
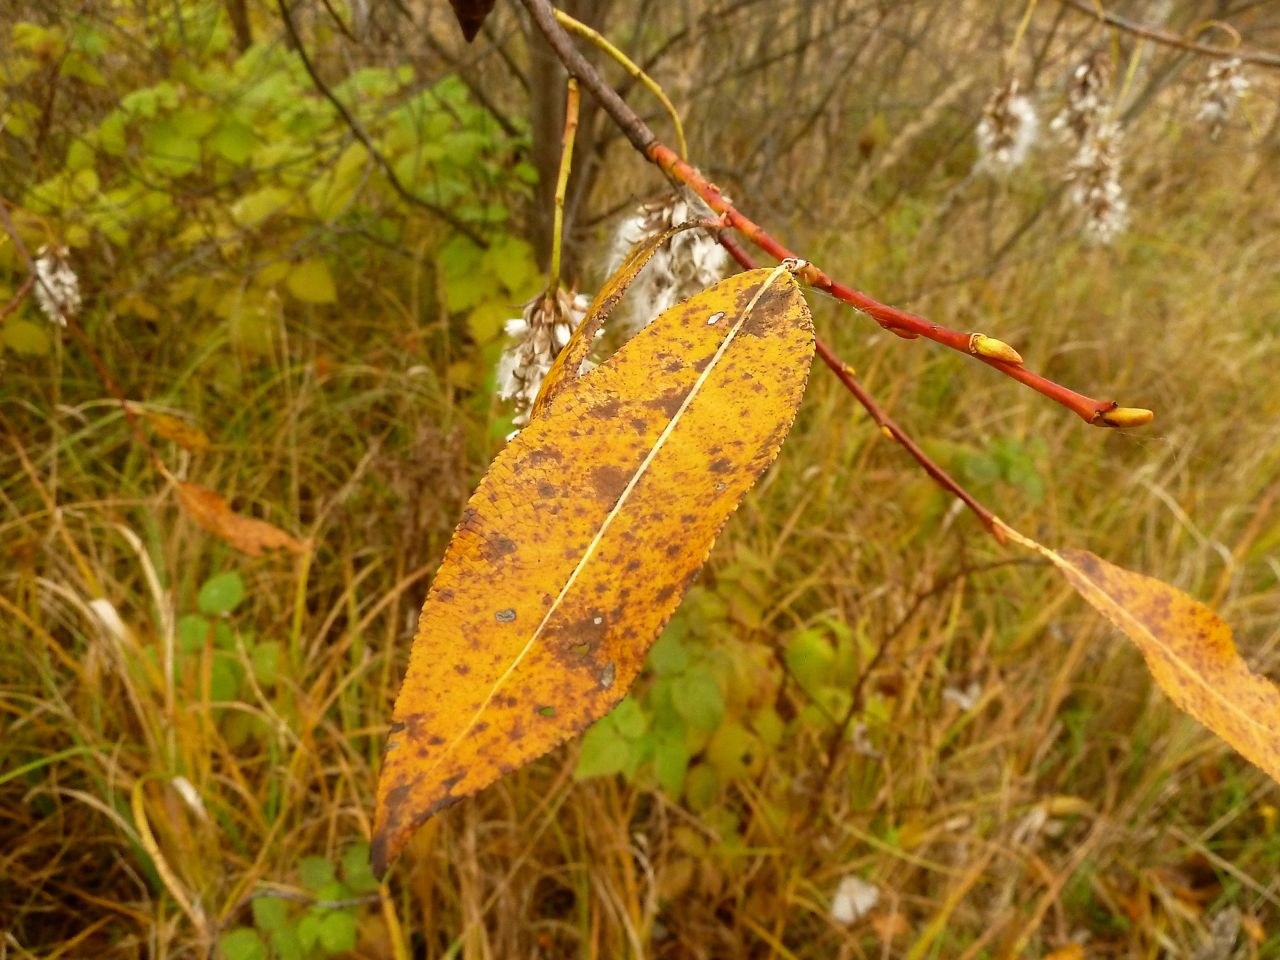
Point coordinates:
[(1070, 803)]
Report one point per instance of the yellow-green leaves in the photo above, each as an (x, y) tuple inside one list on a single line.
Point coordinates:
[(1188, 649), (582, 538), (311, 282)]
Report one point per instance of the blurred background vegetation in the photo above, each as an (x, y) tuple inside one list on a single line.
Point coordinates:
[(868, 732)]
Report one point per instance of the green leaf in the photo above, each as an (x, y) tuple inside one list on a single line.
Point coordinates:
[(193, 631), (221, 593), (269, 913), (234, 141), (286, 945), (111, 133), (225, 674), (668, 654), (733, 752), (629, 719), (697, 697), (242, 943), (315, 872), (811, 659), (510, 259), (338, 932), (701, 787), (311, 282), (670, 760), (265, 659), (169, 150), (308, 932), (253, 208), (25, 337), (356, 869), (465, 285), (79, 156), (486, 321), (604, 752)]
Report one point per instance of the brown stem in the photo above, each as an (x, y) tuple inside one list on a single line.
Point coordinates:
[(846, 376), (898, 321), (1262, 58)]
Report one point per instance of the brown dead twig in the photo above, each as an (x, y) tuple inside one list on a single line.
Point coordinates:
[(1262, 58)]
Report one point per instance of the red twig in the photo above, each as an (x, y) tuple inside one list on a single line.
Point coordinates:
[(891, 318), (846, 376), (899, 321)]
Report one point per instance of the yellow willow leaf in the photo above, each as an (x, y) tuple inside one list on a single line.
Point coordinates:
[(569, 361), (581, 539), (1188, 649)]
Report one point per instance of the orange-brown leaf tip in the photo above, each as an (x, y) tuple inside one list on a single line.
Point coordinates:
[(985, 346), (1124, 417), (1187, 647), (582, 538)]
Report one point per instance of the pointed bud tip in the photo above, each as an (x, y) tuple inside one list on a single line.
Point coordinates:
[(985, 346), (1124, 417)]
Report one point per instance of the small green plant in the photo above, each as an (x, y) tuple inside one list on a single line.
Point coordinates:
[(324, 922)]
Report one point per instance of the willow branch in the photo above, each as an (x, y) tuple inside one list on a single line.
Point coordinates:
[(1262, 58), (1105, 413), (562, 183), (844, 373)]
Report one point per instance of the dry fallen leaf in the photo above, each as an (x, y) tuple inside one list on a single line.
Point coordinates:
[(167, 427), (582, 538), (211, 510), (1188, 649)]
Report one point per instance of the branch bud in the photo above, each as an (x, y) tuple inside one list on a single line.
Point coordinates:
[(984, 346), (1123, 417)]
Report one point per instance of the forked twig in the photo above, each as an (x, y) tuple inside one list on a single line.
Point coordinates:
[(992, 352)]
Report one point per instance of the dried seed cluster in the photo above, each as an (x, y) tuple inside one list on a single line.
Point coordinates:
[(57, 287), (1087, 100), (689, 263), (1224, 85), (540, 333), (1007, 130), (1094, 170), (1094, 174)]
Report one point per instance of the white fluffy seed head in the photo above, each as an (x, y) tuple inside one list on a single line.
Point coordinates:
[(1007, 131), (1224, 84), (540, 333), (690, 261), (57, 288), (1087, 100), (1094, 175)]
